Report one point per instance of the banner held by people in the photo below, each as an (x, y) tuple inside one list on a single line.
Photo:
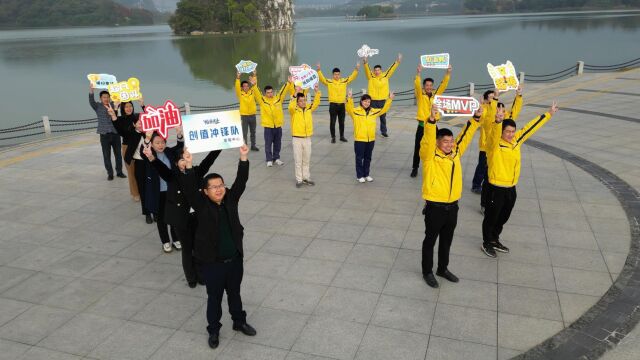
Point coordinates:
[(504, 76), (435, 61), (125, 90), (246, 66), (456, 105), (161, 119), (212, 131)]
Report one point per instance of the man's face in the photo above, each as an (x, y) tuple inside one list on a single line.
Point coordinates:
[(302, 101), (269, 93), (158, 144), (336, 75), (366, 103), (105, 99), (428, 87), (445, 144), (508, 133), (245, 87), (215, 190), (377, 71)]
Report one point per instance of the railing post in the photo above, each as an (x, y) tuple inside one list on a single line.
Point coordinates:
[(472, 88), (187, 108), (47, 126), (364, 91), (580, 68), (521, 77)]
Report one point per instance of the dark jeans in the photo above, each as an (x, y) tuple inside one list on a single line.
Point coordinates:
[(440, 221), (111, 141), (416, 146), (336, 111), (480, 175), (363, 150), (249, 124), (140, 173), (500, 202), (221, 277), (186, 237), (272, 143), (379, 104), (163, 227)]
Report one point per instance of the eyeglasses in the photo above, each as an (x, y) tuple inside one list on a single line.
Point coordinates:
[(215, 187)]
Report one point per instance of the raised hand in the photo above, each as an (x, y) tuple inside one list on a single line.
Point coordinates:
[(554, 108), (316, 87), (357, 66), (179, 132), (253, 80), (434, 111), (238, 75), (350, 93), (318, 66), (478, 113), (141, 101), (244, 151), (111, 112), (519, 89), (392, 95), (500, 115), (449, 70), (399, 58), (188, 158), (148, 153), (419, 69), (91, 87)]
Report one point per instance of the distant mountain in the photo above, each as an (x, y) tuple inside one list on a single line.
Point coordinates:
[(151, 5)]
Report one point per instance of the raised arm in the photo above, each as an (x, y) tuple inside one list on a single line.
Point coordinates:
[(387, 104), (322, 78), (316, 99), (534, 125), (189, 182), (516, 107), (495, 132), (428, 142), (392, 69), (237, 86), (354, 74), (349, 106), (242, 176), (466, 135), (92, 100), (445, 82), (367, 69), (417, 84), (206, 163), (292, 106)]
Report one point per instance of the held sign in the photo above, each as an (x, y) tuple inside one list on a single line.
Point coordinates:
[(212, 131), (125, 90), (435, 61), (161, 119), (504, 76), (304, 76), (246, 66), (101, 81), (456, 105), (365, 51)]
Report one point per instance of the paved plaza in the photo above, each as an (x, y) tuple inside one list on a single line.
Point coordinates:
[(331, 271)]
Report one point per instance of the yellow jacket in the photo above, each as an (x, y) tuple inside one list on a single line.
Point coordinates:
[(503, 157), (425, 101), (364, 123), (337, 89), (247, 100), (379, 85), (271, 114), (489, 117), (442, 173), (302, 119)]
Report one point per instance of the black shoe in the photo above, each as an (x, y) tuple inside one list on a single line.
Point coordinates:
[(254, 148), (201, 281), (431, 280), (110, 177), (245, 329), (488, 250), (385, 135), (343, 139), (414, 172), (121, 176), (476, 190), (214, 341), (448, 275), (309, 182), (148, 219), (192, 284), (333, 140), (497, 246)]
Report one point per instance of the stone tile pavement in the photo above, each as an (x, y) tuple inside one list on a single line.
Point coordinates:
[(331, 271)]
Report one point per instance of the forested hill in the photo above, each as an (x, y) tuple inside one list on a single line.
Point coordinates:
[(44, 13)]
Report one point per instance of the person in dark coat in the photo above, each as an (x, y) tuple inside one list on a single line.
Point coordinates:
[(127, 119), (218, 242), (177, 207)]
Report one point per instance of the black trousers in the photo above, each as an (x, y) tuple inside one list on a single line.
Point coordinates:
[(163, 227), (379, 104), (416, 146), (108, 142), (140, 173), (186, 237), (440, 220), (336, 111), (218, 278), (249, 125), (500, 202)]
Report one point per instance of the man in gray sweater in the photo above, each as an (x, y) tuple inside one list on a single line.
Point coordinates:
[(109, 137)]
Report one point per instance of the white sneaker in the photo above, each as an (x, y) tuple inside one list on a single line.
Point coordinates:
[(269, 163), (177, 245), (167, 247), (361, 180), (369, 178), (279, 162)]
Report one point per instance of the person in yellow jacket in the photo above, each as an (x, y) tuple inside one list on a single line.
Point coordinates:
[(302, 130), (247, 98), (441, 190), (490, 103), (503, 156), (364, 132), (425, 97), (272, 119), (378, 87), (337, 88)]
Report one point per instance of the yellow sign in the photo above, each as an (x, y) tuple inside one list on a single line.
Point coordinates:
[(504, 76), (125, 90)]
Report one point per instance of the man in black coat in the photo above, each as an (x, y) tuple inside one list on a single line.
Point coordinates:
[(218, 242)]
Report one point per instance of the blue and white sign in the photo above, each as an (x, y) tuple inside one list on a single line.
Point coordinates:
[(212, 131)]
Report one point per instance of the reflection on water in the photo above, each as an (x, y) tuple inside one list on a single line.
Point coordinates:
[(587, 22)]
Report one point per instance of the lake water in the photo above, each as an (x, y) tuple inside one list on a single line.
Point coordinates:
[(44, 71)]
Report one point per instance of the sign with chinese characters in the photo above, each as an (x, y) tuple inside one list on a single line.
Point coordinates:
[(366, 51), (504, 76), (304, 76), (456, 105), (125, 90), (102, 81), (246, 66), (435, 61), (161, 119), (212, 131)]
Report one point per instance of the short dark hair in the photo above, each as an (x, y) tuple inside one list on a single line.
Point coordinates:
[(155, 135), (335, 70), (104, 92), (244, 82), (425, 81), (443, 132), (299, 96), (205, 180), (486, 94), (508, 122), (179, 154), (500, 105), (364, 97), (268, 87), (378, 67)]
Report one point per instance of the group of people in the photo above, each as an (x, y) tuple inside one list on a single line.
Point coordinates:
[(196, 213)]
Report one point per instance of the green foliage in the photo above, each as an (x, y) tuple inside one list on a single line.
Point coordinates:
[(488, 6), (375, 11), (217, 16), (42, 13)]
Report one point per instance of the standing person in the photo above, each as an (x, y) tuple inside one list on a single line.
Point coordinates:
[(364, 132), (425, 97), (177, 207), (218, 242), (441, 190), (247, 99), (302, 130), (125, 121), (109, 138), (503, 156), (156, 187), (337, 88), (379, 87), (272, 119)]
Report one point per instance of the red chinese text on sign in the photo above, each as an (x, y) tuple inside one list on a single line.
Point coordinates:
[(161, 119)]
